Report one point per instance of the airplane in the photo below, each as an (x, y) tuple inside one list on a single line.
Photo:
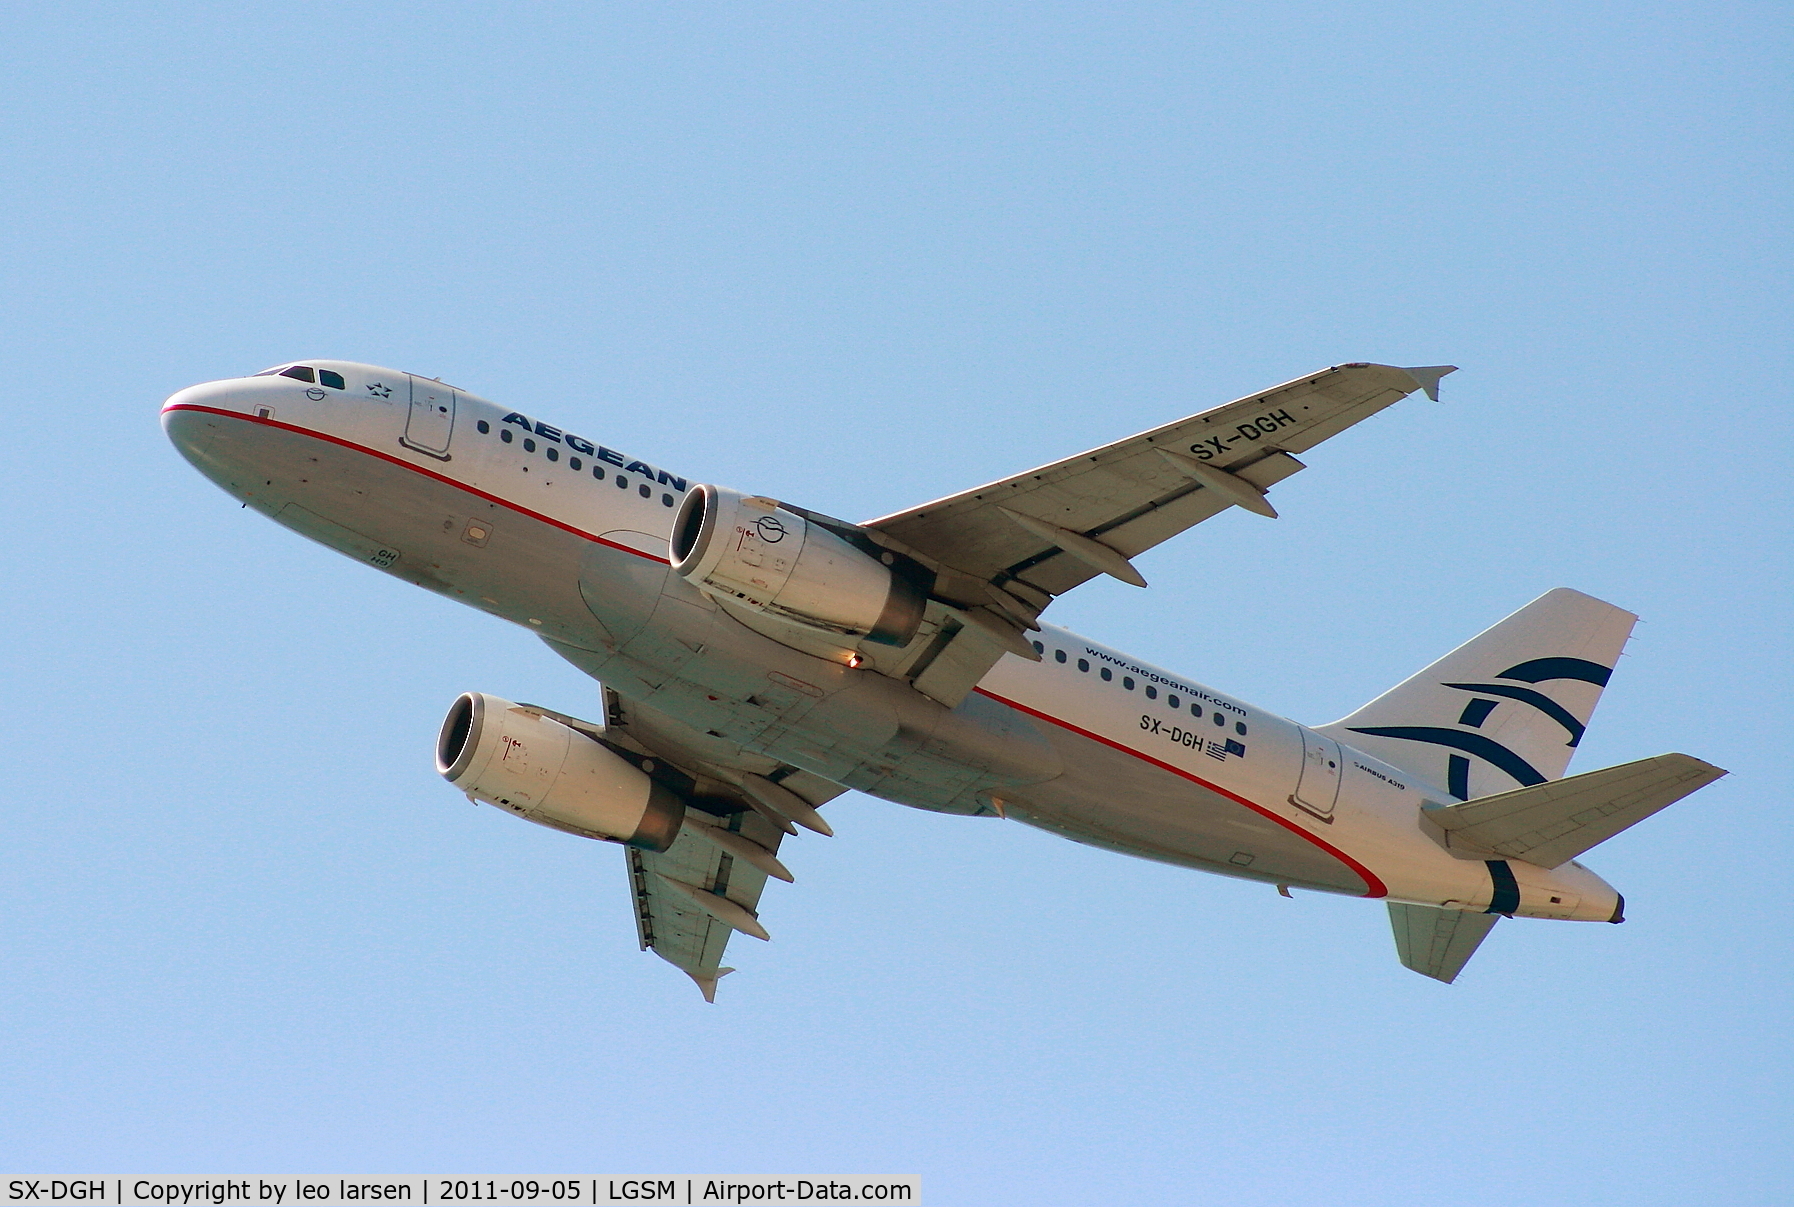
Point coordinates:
[(756, 659)]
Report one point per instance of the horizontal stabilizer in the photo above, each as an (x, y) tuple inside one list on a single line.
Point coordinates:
[(1550, 824), (1437, 942)]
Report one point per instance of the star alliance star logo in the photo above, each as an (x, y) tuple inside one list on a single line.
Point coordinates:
[(380, 391)]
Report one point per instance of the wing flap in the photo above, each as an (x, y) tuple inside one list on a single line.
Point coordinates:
[(1121, 485), (1161, 520), (965, 653), (727, 853), (670, 921)]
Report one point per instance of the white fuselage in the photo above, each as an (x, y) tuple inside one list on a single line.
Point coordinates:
[(560, 533)]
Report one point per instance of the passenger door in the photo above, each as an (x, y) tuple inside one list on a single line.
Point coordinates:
[(432, 418), (1317, 790)]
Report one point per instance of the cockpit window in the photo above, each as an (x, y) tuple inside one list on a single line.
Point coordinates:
[(328, 377)]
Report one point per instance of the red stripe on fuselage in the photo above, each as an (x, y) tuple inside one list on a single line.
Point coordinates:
[(428, 473), (1376, 887)]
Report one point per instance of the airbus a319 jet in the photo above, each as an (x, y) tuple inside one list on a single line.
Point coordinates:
[(758, 659)]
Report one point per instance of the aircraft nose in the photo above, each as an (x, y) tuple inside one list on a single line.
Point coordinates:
[(203, 423), (207, 395)]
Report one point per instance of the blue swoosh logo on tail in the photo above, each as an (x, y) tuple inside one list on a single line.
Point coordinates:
[(1482, 747)]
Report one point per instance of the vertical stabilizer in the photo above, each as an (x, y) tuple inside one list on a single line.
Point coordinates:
[(1437, 942), (1504, 710)]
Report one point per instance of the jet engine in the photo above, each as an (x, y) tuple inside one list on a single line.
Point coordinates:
[(549, 773), (756, 552)]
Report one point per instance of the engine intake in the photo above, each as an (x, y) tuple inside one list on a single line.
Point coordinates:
[(754, 551), (543, 771)]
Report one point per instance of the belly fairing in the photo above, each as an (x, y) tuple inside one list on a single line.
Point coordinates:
[(694, 661)]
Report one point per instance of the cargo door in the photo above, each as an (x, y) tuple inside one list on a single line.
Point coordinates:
[(432, 418), (1318, 789)]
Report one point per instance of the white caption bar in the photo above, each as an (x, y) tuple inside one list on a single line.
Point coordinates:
[(455, 1192)]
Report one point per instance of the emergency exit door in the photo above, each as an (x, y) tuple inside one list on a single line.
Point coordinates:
[(1318, 789), (432, 418)]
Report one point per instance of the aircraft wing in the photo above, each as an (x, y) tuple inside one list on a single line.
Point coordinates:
[(1131, 495), (691, 898), (1001, 552), (679, 893)]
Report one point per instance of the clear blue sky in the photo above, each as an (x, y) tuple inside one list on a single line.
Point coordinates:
[(860, 256)]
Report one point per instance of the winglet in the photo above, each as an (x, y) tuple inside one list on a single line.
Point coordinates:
[(1426, 377), (706, 983)]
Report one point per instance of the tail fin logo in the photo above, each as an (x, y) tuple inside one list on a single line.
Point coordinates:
[(1476, 711)]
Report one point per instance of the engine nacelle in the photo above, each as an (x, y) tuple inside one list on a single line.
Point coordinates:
[(753, 551), (543, 771)]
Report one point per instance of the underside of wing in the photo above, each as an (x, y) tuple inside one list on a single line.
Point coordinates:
[(1000, 554), (690, 899), (1128, 496)]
